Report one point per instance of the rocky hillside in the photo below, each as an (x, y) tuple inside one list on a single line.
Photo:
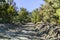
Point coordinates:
[(49, 31), (30, 31)]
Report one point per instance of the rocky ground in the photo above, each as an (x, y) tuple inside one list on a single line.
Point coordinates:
[(39, 31)]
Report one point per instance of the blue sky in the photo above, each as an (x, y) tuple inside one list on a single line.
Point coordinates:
[(30, 5)]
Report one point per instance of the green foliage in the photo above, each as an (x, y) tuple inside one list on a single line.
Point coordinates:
[(58, 12), (55, 12), (46, 13), (50, 12), (23, 15), (35, 16), (7, 12)]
